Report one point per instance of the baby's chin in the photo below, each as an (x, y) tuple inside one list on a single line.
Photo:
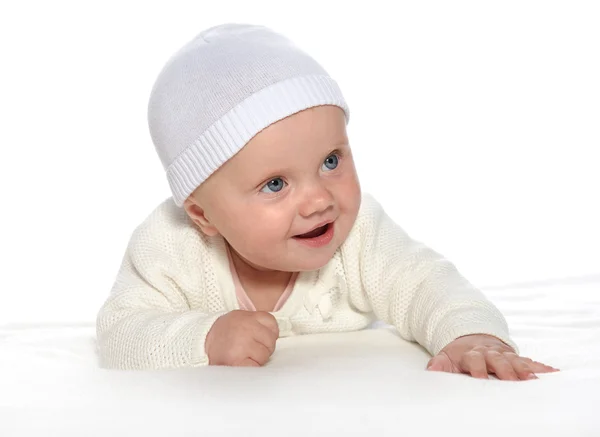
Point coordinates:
[(298, 263), (305, 263), (293, 257), (308, 267)]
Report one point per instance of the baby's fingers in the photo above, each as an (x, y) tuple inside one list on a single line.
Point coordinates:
[(473, 362), (248, 362), (440, 363), (534, 366), (506, 369)]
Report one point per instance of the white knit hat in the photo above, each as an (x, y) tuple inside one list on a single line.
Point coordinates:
[(220, 90)]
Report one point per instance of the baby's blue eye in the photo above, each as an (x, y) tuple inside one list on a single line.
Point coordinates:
[(274, 184), (331, 162)]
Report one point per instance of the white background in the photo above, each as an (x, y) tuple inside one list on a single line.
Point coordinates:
[(475, 124)]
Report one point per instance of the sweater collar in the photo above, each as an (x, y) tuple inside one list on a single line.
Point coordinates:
[(312, 290)]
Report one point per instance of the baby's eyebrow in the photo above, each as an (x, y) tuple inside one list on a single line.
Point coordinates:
[(280, 170), (345, 143), (273, 173)]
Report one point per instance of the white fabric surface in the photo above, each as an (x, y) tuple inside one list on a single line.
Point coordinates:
[(364, 383)]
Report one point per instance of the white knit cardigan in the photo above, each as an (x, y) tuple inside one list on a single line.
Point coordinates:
[(174, 282)]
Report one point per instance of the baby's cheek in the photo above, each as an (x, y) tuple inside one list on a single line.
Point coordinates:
[(351, 204), (258, 236)]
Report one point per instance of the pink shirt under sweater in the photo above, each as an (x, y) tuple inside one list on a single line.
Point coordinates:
[(242, 297)]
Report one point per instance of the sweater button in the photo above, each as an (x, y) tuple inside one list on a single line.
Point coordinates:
[(285, 326), (325, 307)]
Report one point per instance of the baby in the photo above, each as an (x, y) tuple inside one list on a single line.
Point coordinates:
[(268, 234)]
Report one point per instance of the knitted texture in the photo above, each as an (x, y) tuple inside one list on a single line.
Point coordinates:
[(174, 282), (220, 90)]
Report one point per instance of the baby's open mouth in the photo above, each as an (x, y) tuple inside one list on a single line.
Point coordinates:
[(316, 233)]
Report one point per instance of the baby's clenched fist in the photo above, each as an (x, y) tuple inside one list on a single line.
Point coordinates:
[(242, 338)]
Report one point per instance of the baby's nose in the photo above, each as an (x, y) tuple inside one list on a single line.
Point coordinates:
[(316, 200)]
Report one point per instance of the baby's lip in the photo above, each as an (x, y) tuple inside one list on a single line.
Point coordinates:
[(326, 222)]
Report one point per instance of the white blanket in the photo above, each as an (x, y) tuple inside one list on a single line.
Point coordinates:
[(364, 383)]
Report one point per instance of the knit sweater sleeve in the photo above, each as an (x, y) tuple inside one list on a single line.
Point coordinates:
[(414, 288), (146, 322)]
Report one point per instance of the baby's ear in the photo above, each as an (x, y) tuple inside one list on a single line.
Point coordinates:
[(197, 215)]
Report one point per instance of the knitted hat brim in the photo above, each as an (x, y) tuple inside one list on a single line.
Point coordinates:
[(228, 135)]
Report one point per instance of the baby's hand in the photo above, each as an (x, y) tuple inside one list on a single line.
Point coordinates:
[(482, 354), (242, 338)]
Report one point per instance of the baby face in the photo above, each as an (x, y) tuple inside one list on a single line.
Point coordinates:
[(291, 178)]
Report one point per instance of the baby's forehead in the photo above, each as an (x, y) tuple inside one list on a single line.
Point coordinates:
[(297, 143)]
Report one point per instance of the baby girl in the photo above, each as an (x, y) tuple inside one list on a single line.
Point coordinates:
[(267, 233)]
